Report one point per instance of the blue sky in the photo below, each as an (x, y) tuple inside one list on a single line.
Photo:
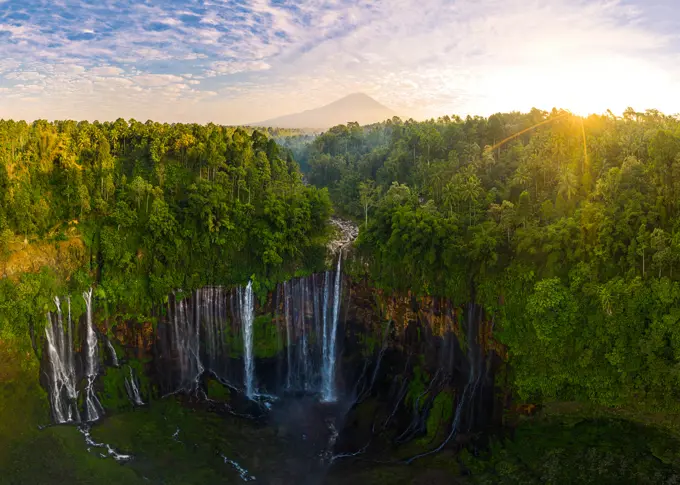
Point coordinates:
[(241, 61)]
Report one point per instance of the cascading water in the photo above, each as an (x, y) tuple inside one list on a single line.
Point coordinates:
[(212, 313), (476, 365), (202, 335), (186, 344), (132, 388), (330, 337), (61, 369), (112, 352), (247, 310), (93, 408), (311, 308), (287, 319)]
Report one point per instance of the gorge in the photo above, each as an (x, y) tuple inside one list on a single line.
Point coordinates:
[(314, 346), (183, 304)]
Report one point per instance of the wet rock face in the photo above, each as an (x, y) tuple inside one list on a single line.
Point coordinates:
[(136, 336), (419, 365), (412, 372)]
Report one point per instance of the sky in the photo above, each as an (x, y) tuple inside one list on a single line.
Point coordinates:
[(235, 62)]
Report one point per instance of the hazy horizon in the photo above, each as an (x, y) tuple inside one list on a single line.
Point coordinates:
[(222, 62)]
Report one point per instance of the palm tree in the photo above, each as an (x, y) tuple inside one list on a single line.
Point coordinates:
[(471, 190), (522, 176), (567, 183), (450, 196)]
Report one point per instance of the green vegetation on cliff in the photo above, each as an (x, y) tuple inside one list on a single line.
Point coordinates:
[(158, 206), (569, 235)]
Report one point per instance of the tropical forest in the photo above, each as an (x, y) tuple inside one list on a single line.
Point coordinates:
[(478, 300)]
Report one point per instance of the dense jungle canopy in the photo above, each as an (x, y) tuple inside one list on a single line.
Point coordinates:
[(159, 206), (566, 230), (568, 234)]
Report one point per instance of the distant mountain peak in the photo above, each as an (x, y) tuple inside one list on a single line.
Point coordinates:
[(358, 96), (355, 107)]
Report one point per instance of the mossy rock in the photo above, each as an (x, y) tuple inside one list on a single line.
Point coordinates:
[(217, 391)]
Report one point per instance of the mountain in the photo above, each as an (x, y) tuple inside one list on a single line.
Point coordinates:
[(356, 107)]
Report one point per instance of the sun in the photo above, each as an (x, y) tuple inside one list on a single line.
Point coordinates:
[(583, 87)]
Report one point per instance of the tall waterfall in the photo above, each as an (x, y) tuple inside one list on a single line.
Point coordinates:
[(212, 331), (311, 313), (61, 369), (303, 339), (93, 408), (247, 310), (330, 335), (211, 303), (186, 343)]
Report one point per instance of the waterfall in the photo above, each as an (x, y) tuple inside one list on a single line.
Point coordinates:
[(61, 369), (246, 308), (324, 337), (304, 348), (92, 406), (112, 351), (211, 302), (201, 329), (287, 318), (330, 335), (476, 364), (186, 344), (132, 388)]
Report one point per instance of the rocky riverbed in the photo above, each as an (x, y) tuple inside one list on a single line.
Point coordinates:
[(347, 231)]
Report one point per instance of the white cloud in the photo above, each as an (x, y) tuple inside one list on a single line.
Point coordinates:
[(106, 71), (155, 80), (422, 58), (24, 75), (224, 67)]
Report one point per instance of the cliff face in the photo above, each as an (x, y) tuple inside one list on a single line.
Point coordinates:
[(412, 372)]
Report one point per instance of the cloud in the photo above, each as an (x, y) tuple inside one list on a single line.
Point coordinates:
[(155, 80), (235, 61), (106, 71), (229, 67)]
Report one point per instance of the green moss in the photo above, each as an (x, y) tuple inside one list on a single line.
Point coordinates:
[(417, 384), (439, 417), (266, 341), (51, 456), (217, 391), (113, 395), (265, 337)]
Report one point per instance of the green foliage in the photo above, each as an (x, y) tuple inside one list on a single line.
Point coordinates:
[(439, 417), (581, 451), (417, 386), (568, 235), (218, 391), (159, 207), (113, 396), (265, 337)]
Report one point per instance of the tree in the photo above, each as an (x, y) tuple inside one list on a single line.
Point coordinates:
[(368, 194), (567, 183), (524, 207), (138, 188), (505, 215), (643, 244), (6, 236)]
